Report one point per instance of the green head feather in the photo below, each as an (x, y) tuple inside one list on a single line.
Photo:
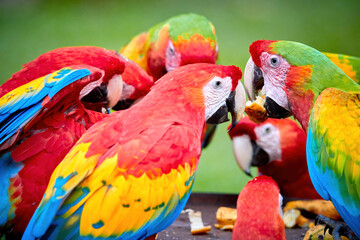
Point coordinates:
[(185, 25), (325, 74)]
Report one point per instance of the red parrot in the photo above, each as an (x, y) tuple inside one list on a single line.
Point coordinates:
[(259, 214), (42, 117), (278, 148), (130, 175), (180, 40)]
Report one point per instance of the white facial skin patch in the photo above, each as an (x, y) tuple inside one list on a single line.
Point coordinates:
[(216, 92), (274, 78), (127, 91), (268, 138), (172, 58)]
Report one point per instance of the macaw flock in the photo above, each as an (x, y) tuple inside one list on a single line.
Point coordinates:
[(100, 144)]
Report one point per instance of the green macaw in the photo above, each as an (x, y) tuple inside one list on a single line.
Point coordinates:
[(301, 81)]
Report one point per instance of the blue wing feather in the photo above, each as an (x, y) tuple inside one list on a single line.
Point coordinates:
[(16, 122), (327, 185), (15, 115), (47, 210), (8, 168)]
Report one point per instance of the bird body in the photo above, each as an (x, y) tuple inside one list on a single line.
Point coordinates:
[(259, 214), (325, 101), (278, 148), (180, 40), (130, 175), (42, 117)]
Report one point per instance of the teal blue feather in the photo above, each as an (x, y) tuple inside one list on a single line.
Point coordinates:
[(14, 116)]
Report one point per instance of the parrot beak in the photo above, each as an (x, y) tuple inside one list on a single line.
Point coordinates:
[(274, 110), (248, 153), (254, 82), (236, 103), (243, 152), (253, 79), (99, 95), (123, 104)]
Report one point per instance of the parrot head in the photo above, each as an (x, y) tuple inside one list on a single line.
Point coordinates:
[(102, 92), (291, 75), (259, 213), (214, 88), (274, 145), (105, 88), (181, 40)]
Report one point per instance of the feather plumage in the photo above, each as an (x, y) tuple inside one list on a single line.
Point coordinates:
[(38, 141), (132, 180), (329, 114)]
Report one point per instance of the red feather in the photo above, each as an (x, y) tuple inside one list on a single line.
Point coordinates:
[(45, 141), (56, 59), (290, 172), (257, 47), (258, 211)]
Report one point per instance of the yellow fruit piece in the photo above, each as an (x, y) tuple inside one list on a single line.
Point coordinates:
[(318, 207), (226, 216), (290, 217)]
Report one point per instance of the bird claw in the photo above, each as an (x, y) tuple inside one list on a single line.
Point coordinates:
[(336, 229)]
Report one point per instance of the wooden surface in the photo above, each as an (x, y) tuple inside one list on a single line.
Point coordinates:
[(208, 205)]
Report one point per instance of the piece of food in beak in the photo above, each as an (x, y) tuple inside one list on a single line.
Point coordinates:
[(256, 111)]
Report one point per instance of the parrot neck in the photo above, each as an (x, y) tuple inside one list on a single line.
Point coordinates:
[(177, 105), (306, 83)]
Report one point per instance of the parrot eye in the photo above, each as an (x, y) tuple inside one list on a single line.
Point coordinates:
[(267, 130), (172, 58), (171, 51), (217, 84), (274, 61)]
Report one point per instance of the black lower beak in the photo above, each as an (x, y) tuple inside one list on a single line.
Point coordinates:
[(260, 157), (97, 95), (123, 104), (274, 110), (221, 115)]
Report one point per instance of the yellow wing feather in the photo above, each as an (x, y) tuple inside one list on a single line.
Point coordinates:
[(29, 89), (336, 119), (129, 202)]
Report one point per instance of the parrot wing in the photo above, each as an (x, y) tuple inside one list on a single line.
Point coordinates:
[(21, 105), (131, 188), (333, 151), (349, 64)]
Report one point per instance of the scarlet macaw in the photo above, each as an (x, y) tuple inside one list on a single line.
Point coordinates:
[(130, 175)]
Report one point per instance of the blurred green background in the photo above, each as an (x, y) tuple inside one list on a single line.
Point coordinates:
[(29, 28)]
